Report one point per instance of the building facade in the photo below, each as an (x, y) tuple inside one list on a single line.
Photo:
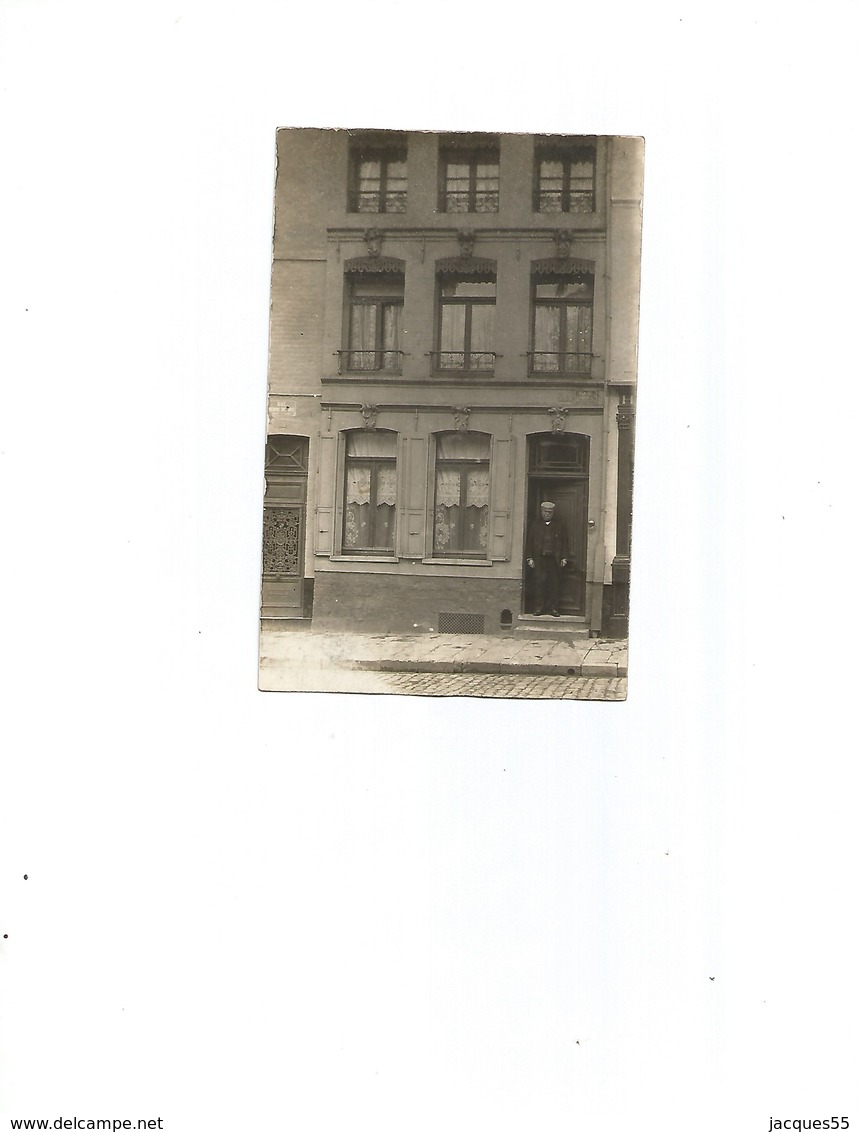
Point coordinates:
[(453, 340)]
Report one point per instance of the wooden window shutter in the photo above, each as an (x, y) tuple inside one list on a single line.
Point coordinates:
[(413, 495), (501, 499), (325, 510)]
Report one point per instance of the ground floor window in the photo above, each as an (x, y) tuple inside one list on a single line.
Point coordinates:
[(462, 489), (370, 495)]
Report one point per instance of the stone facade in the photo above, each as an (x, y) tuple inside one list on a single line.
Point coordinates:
[(453, 336)]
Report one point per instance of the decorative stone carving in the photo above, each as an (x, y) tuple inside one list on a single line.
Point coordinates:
[(373, 239), (461, 418), (369, 414), (563, 242), (558, 415), (466, 240)]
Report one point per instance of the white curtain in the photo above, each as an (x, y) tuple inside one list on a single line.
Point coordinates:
[(362, 331), (386, 486), (448, 487), (462, 446), (370, 472), (369, 444), (358, 485), (478, 488)]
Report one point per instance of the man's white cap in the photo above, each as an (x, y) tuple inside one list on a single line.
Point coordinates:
[(551, 506)]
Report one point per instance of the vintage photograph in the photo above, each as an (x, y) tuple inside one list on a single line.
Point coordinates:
[(451, 407)]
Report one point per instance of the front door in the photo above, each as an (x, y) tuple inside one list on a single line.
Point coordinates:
[(284, 526), (558, 474)]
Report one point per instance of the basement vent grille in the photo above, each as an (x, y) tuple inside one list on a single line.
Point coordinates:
[(461, 623)]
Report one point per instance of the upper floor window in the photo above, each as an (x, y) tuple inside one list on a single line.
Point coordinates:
[(469, 175), (462, 495), (562, 318), (467, 315), (377, 175), (374, 323), (564, 176), (370, 492)]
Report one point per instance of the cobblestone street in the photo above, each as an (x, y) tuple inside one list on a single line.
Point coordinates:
[(444, 665), (511, 686), (506, 686)]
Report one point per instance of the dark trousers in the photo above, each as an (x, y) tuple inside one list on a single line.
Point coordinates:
[(547, 572)]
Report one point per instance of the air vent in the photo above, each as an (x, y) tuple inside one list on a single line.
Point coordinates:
[(461, 623)]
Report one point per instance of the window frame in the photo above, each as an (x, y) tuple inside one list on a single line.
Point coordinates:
[(468, 302), (564, 304), (569, 152), (387, 153), (372, 553), (462, 465), (481, 153), (381, 302)]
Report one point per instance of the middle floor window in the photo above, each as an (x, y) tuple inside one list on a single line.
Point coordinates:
[(462, 495), (563, 309), (375, 324), (467, 315), (370, 495)]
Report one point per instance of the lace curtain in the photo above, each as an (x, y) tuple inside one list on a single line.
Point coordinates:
[(370, 475), (463, 530), (460, 525), (358, 485), (366, 529)]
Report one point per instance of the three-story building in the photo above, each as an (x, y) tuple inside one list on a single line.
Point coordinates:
[(453, 341)]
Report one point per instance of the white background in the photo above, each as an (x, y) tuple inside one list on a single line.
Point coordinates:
[(249, 911)]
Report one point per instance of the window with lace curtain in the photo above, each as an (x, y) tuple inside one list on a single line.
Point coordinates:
[(462, 490), (370, 492), (564, 176), (469, 174), (377, 174)]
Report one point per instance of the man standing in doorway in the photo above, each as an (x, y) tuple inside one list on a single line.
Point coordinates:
[(547, 554)]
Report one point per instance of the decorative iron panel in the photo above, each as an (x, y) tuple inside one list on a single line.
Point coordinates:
[(461, 623), (281, 535)]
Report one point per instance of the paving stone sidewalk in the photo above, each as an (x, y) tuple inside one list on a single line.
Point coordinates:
[(444, 653)]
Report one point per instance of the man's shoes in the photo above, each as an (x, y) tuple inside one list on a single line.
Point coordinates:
[(555, 613), (538, 613)]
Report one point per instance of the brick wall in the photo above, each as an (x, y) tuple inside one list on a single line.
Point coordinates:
[(295, 344)]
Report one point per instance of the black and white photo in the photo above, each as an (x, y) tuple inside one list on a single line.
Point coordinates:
[(453, 348)]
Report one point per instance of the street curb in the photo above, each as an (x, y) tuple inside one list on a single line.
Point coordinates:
[(487, 668)]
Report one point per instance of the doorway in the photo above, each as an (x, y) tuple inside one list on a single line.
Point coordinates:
[(558, 473), (284, 527)]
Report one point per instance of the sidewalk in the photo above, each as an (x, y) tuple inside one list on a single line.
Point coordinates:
[(290, 649)]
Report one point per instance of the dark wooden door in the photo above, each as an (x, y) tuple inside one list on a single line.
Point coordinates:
[(566, 485), (284, 526)]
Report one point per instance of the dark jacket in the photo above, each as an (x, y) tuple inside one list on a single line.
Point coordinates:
[(558, 533)]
